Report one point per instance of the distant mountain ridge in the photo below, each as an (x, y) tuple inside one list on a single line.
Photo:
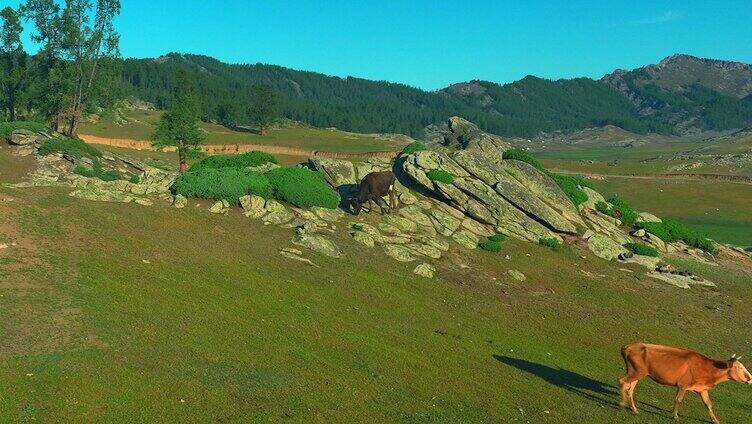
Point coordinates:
[(679, 95)]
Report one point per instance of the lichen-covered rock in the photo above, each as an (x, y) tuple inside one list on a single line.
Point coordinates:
[(476, 228), (466, 239), (425, 250), (337, 172), (317, 243), (403, 224), (99, 194), (425, 270), (444, 223), (329, 215), (517, 275), (363, 238), (407, 198), (272, 205), (415, 214), (253, 206), (647, 217), (656, 242), (278, 217), (179, 201), (399, 253), (220, 206), (605, 248), (593, 198), (23, 137)]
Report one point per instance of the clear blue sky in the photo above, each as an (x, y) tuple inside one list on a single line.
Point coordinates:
[(431, 44)]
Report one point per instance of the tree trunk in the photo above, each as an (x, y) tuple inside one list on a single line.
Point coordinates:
[(73, 129), (183, 162), (12, 105)]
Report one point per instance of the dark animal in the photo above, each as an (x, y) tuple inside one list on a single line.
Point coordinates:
[(373, 187), (682, 368)]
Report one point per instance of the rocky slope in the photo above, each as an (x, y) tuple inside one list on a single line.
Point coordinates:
[(485, 195)]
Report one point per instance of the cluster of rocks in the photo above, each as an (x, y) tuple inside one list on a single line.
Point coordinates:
[(56, 170)]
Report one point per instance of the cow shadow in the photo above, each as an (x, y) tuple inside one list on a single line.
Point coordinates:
[(588, 388)]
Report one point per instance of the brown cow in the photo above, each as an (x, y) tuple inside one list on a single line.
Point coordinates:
[(682, 368), (375, 186)]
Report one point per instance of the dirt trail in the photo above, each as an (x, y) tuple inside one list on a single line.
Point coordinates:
[(737, 179), (215, 149)]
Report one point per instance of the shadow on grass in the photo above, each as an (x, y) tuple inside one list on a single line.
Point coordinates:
[(596, 391)]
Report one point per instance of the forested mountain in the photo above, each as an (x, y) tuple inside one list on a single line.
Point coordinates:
[(681, 94), (688, 93)]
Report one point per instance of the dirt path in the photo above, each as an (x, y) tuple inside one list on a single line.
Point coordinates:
[(218, 149), (737, 179)]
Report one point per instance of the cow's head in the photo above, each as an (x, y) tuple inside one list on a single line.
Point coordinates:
[(737, 371), (356, 206)]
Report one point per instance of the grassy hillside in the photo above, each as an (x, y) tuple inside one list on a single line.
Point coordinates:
[(140, 125), (194, 317)]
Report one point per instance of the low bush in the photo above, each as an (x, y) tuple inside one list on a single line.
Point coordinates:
[(641, 249), (415, 146), (69, 147), (570, 185), (7, 128), (498, 237), (222, 184), (490, 246), (440, 175), (254, 158), (627, 215), (552, 243), (493, 243), (524, 156), (603, 207), (97, 171), (302, 187), (135, 179), (671, 231)]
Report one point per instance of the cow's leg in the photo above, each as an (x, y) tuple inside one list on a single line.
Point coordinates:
[(631, 390), (709, 404), (392, 199), (680, 392), (382, 204)]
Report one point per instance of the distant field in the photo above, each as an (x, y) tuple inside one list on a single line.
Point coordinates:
[(721, 209), (141, 126)]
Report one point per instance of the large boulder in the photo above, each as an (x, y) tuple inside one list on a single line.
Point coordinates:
[(317, 243), (337, 172), (23, 137), (604, 247)]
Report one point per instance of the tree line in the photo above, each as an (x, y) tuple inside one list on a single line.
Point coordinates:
[(78, 70)]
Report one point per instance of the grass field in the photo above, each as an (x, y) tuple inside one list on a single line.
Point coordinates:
[(141, 124), (125, 313)]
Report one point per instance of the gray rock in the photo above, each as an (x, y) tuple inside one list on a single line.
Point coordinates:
[(605, 248), (656, 242), (444, 223), (278, 217), (425, 270), (253, 206), (476, 228), (363, 238), (415, 214), (466, 239), (425, 250), (337, 172), (317, 243), (22, 137), (399, 253), (639, 233), (401, 223), (646, 261), (329, 215), (219, 207), (407, 198), (648, 217), (179, 201)]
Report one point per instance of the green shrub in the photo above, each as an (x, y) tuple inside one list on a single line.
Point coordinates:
[(641, 249), (69, 147), (415, 146), (254, 158), (570, 185), (603, 207), (7, 128), (498, 237), (96, 171), (135, 179), (490, 246), (671, 231), (628, 215), (440, 175), (222, 184), (302, 187), (553, 243), (524, 156)]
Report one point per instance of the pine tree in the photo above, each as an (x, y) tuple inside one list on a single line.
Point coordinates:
[(263, 109), (179, 126), (12, 60)]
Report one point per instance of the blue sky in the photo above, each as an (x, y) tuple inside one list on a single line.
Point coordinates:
[(431, 44)]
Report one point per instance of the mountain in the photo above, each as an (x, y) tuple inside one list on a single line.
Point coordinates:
[(680, 95), (688, 93)]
